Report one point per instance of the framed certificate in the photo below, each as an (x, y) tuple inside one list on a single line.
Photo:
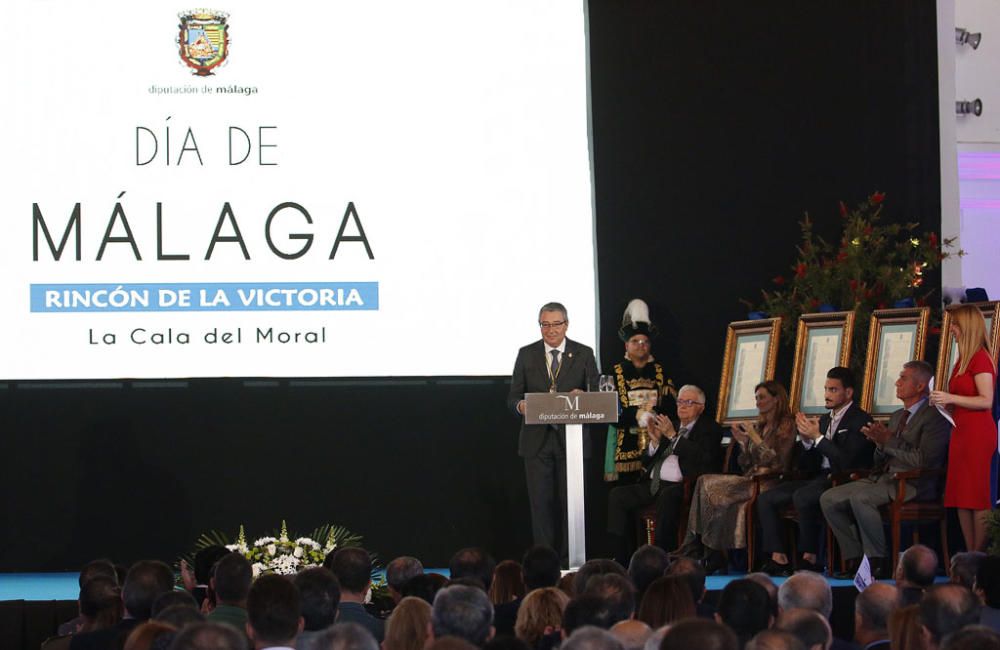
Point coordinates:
[(750, 356), (822, 342), (895, 337), (948, 351)]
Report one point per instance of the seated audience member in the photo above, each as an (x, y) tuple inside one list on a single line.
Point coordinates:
[(617, 591), (319, 593), (964, 567), (915, 573), (694, 572), (149, 635), (406, 627), (505, 643), (872, 609), (916, 438), (274, 612), (199, 582), (945, 609), (424, 587), (831, 444), (230, 581), (540, 568), (631, 634), (667, 600), (764, 580), (772, 639), (398, 572), (353, 568), (905, 630), (591, 638), (540, 613), (647, 564), (100, 607), (170, 599), (586, 610), (145, 582), (987, 588), (209, 636), (568, 584), (473, 563), (450, 643), (674, 454), (717, 520), (745, 608), (180, 616), (507, 584), (464, 612), (700, 634), (593, 568), (809, 590), (345, 636), (808, 627), (973, 637), (89, 570)]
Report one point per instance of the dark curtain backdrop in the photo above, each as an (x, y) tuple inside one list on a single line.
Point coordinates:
[(715, 126)]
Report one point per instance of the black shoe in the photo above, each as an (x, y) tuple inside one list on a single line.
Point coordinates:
[(880, 568), (715, 562), (806, 565), (776, 569), (850, 568)]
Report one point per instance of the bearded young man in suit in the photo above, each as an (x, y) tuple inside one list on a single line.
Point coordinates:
[(916, 438), (831, 444), (552, 364)]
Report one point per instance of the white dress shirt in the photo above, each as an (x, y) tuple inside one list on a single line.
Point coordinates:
[(670, 470)]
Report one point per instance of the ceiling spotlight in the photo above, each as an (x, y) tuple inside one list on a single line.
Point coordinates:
[(965, 37), (964, 107)]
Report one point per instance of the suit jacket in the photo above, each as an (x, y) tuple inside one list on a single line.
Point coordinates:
[(577, 369), (848, 450), (112, 638), (356, 613), (923, 443), (700, 452)]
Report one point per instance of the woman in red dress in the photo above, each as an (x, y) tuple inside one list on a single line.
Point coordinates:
[(974, 438)]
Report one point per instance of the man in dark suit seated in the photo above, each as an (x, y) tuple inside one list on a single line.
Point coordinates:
[(828, 445), (674, 453), (552, 364), (872, 609), (916, 438), (353, 568)]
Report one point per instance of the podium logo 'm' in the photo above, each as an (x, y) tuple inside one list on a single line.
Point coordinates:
[(572, 403), (204, 40)]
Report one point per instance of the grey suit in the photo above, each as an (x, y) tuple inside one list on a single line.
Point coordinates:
[(543, 447), (852, 510)]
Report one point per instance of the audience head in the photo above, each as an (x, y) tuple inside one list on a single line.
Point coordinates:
[(693, 572), (964, 567), (917, 567), (399, 571), (145, 582), (631, 634), (586, 610), (149, 633), (772, 639), (424, 586), (806, 590), (872, 609), (668, 599), (987, 582), (541, 609), (209, 636), (808, 626), (319, 592), (472, 563), (465, 612), (946, 608), (567, 584), (772, 401), (345, 636), (204, 562), (765, 581), (700, 634), (170, 599), (96, 568), (690, 403), (648, 563), (353, 568), (973, 637), (508, 583), (839, 387), (274, 611), (745, 607), (540, 565), (914, 381), (593, 568), (617, 591), (100, 602), (406, 627), (905, 629), (589, 637), (180, 616), (232, 578)]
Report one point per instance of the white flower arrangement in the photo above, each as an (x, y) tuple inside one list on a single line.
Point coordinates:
[(281, 555)]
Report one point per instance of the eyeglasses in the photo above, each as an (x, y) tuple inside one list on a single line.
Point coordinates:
[(687, 402), (545, 325), (642, 343)]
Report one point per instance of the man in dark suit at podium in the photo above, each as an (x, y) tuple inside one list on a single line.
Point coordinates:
[(552, 364)]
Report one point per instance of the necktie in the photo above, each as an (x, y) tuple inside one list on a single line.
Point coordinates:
[(654, 483), (554, 366), (902, 424)]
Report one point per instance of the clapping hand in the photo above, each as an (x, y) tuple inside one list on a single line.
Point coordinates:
[(808, 427), (751, 429), (877, 433), (739, 432)]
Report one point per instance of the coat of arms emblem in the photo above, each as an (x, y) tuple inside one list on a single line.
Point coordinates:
[(204, 40)]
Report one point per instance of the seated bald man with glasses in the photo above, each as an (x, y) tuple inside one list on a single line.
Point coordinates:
[(552, 364), (675, 452)]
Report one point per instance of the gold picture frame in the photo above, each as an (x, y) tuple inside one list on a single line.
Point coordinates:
[(895, 336), (948, 346), (750, 357), (822, 341)]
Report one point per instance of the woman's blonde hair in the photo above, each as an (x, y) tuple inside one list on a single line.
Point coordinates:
[(406, 628), (971, 334), (540, 609)]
